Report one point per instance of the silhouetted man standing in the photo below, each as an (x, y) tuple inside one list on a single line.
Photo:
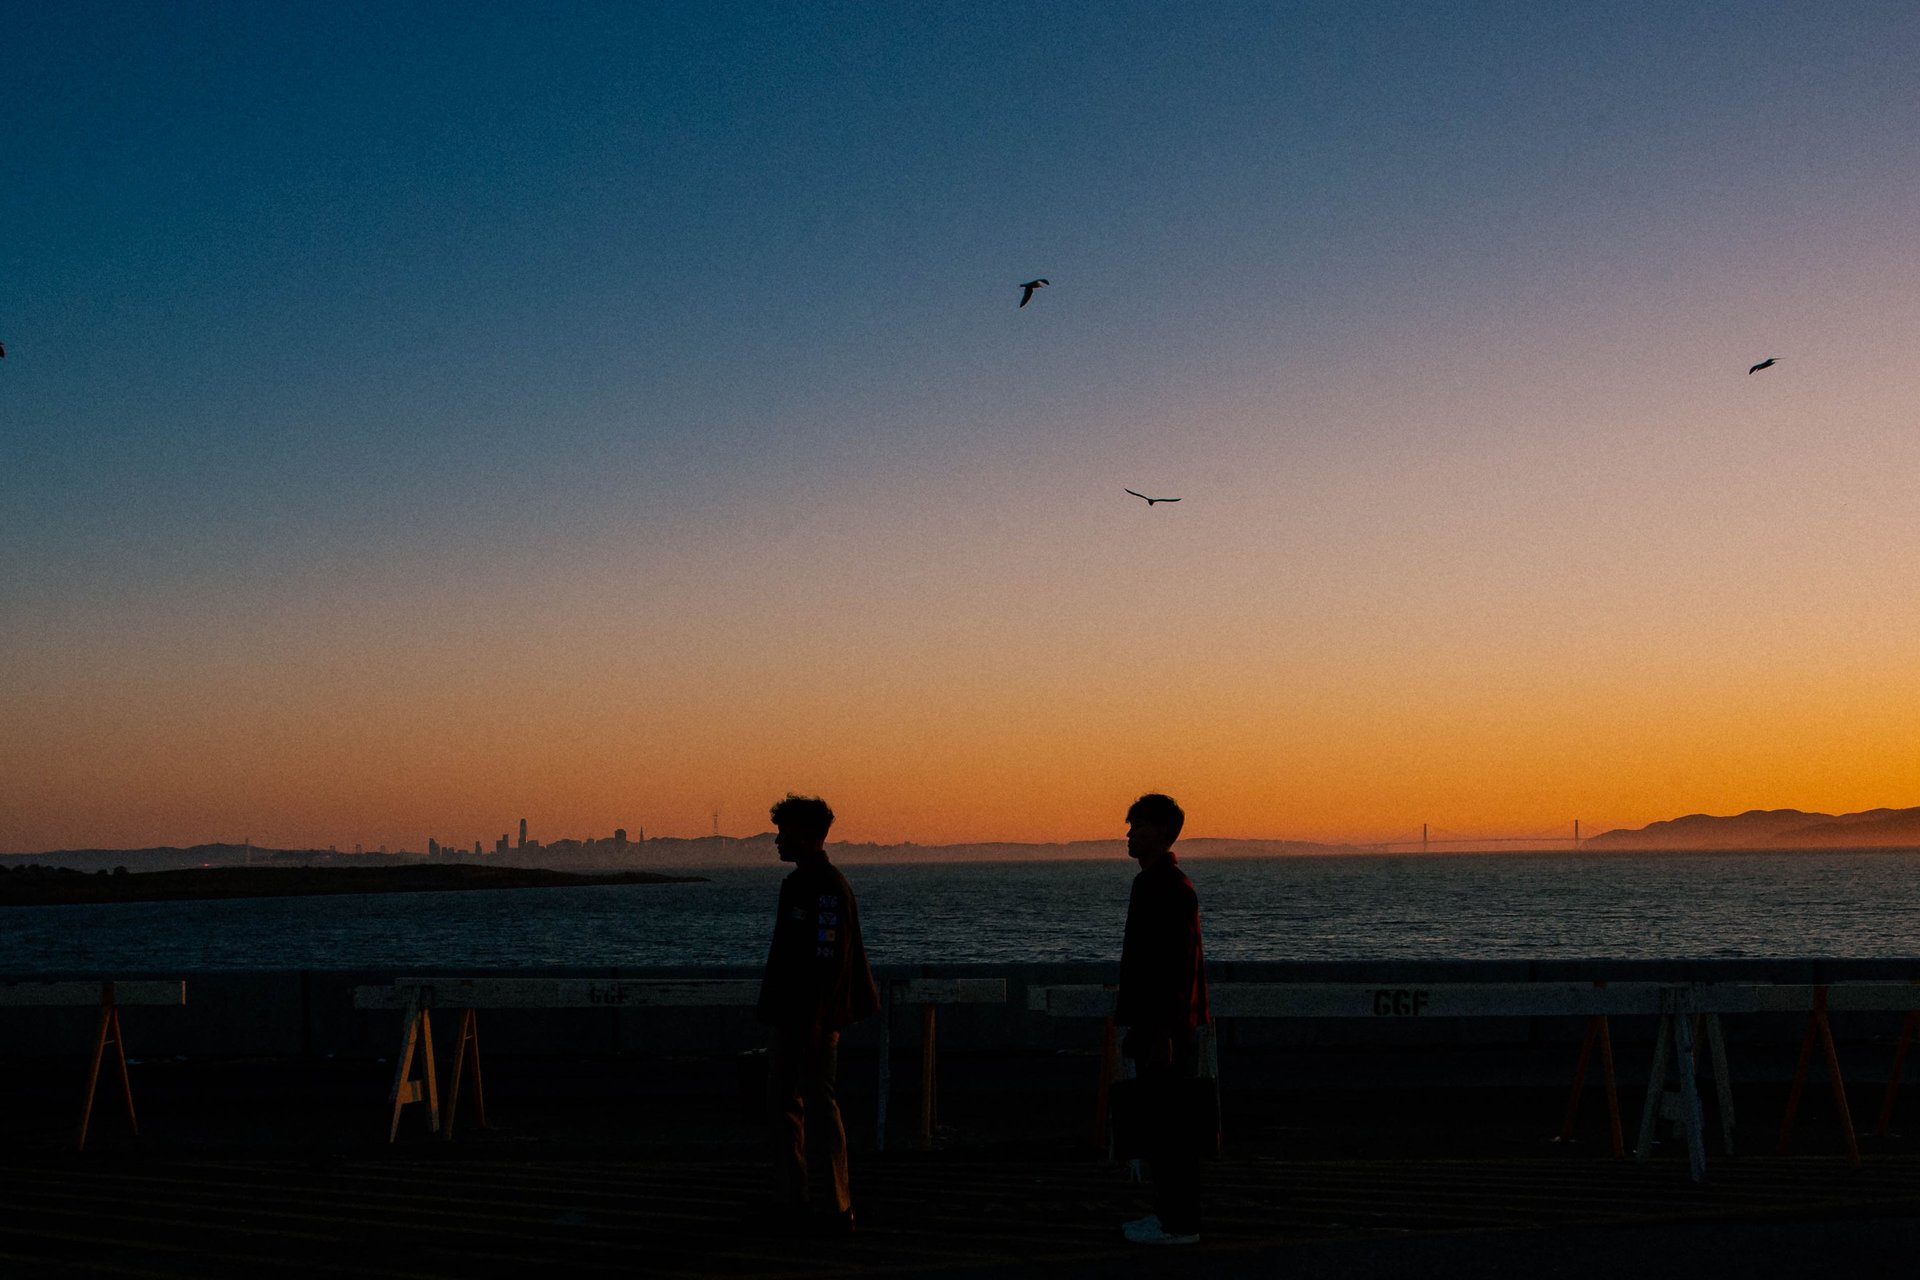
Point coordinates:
[(1162, 1002), (817, 982)]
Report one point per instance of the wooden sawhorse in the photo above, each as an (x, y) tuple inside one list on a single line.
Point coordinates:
[(417, 998), (109, 996)]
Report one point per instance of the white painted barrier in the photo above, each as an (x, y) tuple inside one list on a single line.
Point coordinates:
[(1363, 1000), (109, 997), (558, 993), (1380, 1000), (27, 993)]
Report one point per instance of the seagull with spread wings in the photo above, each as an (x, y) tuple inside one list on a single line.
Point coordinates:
[(1029, 287), (1768, 363), (1150, 501)]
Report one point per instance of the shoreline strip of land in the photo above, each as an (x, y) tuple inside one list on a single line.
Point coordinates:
[(38, 886)]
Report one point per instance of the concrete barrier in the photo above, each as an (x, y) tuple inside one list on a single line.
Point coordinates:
[(292, 1013), (1010, 1046)]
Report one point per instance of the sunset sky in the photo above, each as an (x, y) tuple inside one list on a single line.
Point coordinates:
[(419, 417)]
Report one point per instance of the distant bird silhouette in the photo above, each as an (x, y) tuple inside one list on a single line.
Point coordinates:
[(3, 351), (1768, 363), (1030, 286), (1150, 501)]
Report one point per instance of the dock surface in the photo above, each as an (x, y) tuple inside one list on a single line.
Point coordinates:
[(426, 1212)]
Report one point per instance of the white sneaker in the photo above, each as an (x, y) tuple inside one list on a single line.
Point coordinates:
[(1148, 1230)]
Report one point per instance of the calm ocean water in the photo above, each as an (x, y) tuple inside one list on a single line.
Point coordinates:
[(1481, 906)]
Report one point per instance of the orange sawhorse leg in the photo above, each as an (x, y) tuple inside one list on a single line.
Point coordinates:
[(469, 1035), (1819, 1028), (1598, 1033), (108, 1031), (416, 1037), (1109, 1056), (929, 1076), (1899, 1064)]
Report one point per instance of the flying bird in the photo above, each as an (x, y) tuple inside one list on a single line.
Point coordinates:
[(1030, 286), (1150, 501), (1768, 363)]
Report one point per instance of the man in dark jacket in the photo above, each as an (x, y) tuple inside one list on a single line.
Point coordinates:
[(817, 982), (1162, 1002)]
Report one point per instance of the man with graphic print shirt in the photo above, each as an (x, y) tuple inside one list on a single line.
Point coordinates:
[(817, 983)]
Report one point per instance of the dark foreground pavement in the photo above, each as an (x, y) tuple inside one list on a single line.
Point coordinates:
[(272, 1170), (454, 1210)]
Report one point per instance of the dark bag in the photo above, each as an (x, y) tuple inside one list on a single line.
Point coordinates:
[(1175, 1114)]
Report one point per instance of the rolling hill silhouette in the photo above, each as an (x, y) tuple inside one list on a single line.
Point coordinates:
[(1773, 829)]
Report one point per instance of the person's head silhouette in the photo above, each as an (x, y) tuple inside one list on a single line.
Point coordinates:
[(1153, 824), (802, 823)]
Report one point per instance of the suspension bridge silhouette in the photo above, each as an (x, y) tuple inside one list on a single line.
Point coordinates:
[(1554, 838)]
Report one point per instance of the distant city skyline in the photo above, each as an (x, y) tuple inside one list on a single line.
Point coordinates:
[(627, 410)]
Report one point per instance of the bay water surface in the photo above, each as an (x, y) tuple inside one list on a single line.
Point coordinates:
[(1863, 904)]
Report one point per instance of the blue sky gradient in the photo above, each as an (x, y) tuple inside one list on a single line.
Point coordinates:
[(663, 323)]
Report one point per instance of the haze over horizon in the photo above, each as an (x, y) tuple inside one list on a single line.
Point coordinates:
[(418, 418), (1751, 830)]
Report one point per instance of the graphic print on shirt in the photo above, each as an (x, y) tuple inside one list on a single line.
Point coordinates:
[(827, 927)]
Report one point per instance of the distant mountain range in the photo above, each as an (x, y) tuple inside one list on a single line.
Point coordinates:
[(1773, 829)]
